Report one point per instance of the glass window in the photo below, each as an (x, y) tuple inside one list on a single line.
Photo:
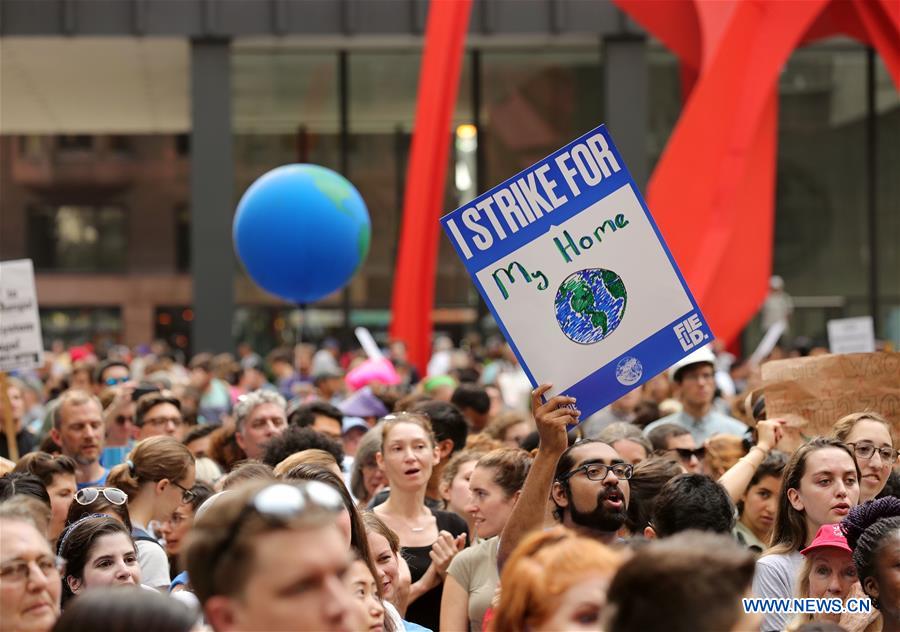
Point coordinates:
[(101, 326), (173, 324), (887, 107), (534, 102), (664, 100), (73, 238), (382, 101), (74, 142), (820, 218), (183, 238)]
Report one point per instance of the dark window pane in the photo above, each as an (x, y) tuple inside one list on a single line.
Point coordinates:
[(75, 142), (100, 326), (78, 238)]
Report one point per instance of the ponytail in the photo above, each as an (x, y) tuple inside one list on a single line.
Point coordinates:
[(151, 460)]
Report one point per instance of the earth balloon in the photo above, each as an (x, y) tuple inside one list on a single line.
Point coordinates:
[(301, 231)]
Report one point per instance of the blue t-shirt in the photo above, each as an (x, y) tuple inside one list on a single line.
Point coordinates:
[(115, 454), (705, 427), (100, 482)]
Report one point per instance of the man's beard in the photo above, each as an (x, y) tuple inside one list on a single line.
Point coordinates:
[(600, 518), (84, 460)]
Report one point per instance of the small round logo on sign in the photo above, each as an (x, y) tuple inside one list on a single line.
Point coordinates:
[(629, 370)]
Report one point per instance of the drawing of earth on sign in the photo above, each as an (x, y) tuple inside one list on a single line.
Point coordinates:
[(590, 305)]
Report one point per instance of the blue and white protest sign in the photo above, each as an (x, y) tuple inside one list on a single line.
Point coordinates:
[(577, 275)]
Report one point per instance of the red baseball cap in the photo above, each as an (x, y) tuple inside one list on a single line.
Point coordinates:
[(829, 536)]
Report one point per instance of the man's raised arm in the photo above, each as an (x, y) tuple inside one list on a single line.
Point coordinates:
[(528, 514)]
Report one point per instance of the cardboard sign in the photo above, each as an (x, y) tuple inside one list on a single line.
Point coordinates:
[(21, 345), (851, 335), (817, 391), (577, 275)]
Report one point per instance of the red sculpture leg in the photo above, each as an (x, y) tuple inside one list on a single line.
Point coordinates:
[(414, 280)]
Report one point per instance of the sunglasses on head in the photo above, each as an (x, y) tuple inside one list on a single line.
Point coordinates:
[(281, 502), (685, 454), (113, 495)]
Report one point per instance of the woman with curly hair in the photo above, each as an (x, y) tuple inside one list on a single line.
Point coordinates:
[(873, 532)]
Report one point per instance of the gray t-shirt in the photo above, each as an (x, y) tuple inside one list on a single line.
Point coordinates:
[(776, 578)]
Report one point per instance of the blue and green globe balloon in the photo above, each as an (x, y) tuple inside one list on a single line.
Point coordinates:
[(590, 305), (301, 231)]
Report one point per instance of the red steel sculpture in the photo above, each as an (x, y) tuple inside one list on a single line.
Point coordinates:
[(712, 192)]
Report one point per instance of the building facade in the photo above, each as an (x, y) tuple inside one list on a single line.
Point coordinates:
[(130, 129)]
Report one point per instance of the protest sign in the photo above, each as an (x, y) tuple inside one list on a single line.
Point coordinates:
[(577, 275), (817, 391), (851, 335), (21, 345)]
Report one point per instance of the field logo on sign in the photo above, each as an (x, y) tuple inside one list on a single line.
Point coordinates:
[(689, 332)]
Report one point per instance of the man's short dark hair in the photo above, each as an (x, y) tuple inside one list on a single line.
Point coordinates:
[(198, 432), (46, 466), (447, 421), (23, 484), (660, 435), (107, 364), (295, 440), (305, 414), (471, 396), (697, 582), (692, 501), (280, 355), (151, 400)]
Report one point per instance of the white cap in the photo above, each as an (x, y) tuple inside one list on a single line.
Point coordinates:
[(703, 355)]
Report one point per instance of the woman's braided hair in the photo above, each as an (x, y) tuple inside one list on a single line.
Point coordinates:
[(867, 528)]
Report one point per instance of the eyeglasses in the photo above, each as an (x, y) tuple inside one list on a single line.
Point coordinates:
[(599, 471), (17, 571), (113, 381), (866, 450), (88, 495), (186, 494), (162, 421), (281, 502), (685, 454), (699, 377)]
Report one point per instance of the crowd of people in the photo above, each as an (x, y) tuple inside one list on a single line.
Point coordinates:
[(298, 492)]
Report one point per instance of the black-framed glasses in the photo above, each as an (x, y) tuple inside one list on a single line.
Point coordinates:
[(685, 454), (187, 495), (158, 422), (281, 502), (88, 495), (866, 450), (599, 471)]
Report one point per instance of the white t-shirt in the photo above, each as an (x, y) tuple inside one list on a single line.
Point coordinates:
[(153, 561)]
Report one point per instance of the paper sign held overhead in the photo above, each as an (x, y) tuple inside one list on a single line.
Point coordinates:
[(815, 391), (577, 275), (851, 335), (21, 345)]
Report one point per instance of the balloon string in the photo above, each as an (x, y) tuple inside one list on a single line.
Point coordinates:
[(302, 308)]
